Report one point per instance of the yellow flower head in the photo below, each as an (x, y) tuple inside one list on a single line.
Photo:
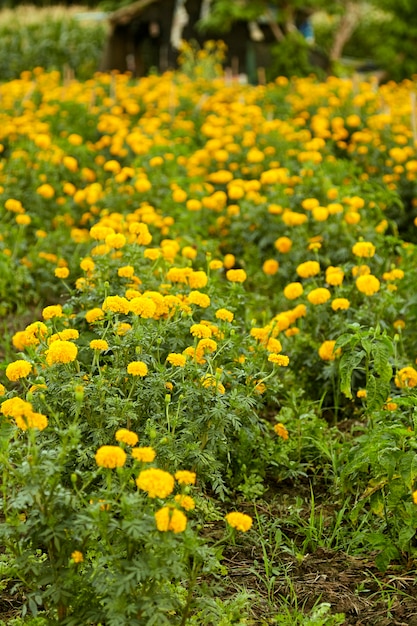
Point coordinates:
[(201, 331), (177, 359), (77, 556), (137, 368), (185, 502), (61, 352), (368, 284), (156, 482), (281, 431), (110, 457), (279, 359), (169, 518), (94, 315), (184, 477), (326, 351), (236, 276), (18, 369), (50, 312), (144, 454), (99, 344), (406, 377), (270, 267), (61, 272), (283, 244), (363, 249), (225, 315), (319, 295), (126, 436), (340, 304), (293, 291), (308, 269), (240, 521)]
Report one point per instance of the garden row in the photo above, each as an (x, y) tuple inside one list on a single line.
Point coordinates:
[(200, 282)]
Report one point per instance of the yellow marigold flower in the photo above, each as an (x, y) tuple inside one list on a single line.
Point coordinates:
[(177, 359), (23, 220), (274, 345), (229, 261), (126, 436), (115, 240), (201, 331), (188, 252), (18, 369), (137, 368), (168, 518), (122, 328), (278, 359), (270, 267), (67, 334), (156, 482), (292, 218), (94, 315), (326, 351), (225, 315), (152, 254), (361, 393), (62, 272), (211, 381), (2, 390), (50, 312), (110, 457), (236, 276), (334, 276), (197, 280), (395, 274), (308, 269), (215, 264), (320, 214), (144, 454), (361, 270), (186, 502), (399, 325), (87, 265), (35, 332), (281, 431), (46, 191), (319, 295), (99, 344), (293, 291), (406, 377), (31, 420), (143, 306), (340, 304), (240, 521), (15, 206), (77, 556), (283, 244), (61, 352), (206, 345), (368, 284), (184, 477), (116, 304), (16, 407), (414, 495), (363, 249), (310, 203), (127, 271), (198, 298)]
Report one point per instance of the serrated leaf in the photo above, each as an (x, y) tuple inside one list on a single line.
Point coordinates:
[(348, 363)]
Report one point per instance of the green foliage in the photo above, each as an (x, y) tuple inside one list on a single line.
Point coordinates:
[(51, 44)]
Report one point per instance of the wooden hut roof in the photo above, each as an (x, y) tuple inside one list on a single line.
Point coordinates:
[(128, 13)]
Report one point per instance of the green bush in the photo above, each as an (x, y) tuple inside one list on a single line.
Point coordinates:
[(51, 44)]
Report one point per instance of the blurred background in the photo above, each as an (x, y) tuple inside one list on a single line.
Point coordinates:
[(286, 38)]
